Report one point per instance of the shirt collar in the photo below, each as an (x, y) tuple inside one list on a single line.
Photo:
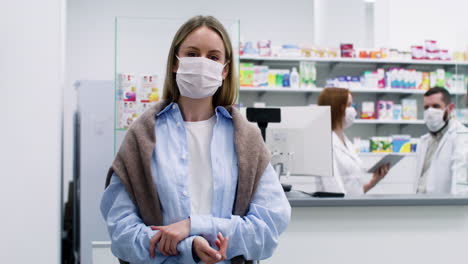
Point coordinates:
[(219, 110), (223, 111), (170, 106)]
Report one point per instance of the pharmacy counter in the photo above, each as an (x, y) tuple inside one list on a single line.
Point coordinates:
[(371, 229), (382, 229), (299, 199)]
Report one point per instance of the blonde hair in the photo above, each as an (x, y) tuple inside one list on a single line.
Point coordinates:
[(227, 93)]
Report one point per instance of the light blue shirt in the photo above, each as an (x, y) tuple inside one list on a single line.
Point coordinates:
[(255, 236)]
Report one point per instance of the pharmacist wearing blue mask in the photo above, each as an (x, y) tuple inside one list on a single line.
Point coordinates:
[(347, 166), (440, 153), (192, 180)]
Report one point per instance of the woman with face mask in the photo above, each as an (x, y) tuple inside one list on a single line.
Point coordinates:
[(347, 166), (192, 180)]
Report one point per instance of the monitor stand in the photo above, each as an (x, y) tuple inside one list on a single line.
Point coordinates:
[(286, 187), (263, 116)]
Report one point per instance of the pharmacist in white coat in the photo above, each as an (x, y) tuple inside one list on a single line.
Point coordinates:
[(347, 166), (441, 154)]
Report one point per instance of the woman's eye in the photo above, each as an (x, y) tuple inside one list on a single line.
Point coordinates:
[(213, 58), (191, 54)]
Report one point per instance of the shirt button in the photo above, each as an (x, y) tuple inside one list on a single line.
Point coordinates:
[(185, 193), (178, 124), (173, 107), (184, 156)]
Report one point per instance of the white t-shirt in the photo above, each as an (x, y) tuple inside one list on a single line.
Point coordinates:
[(199, 136)]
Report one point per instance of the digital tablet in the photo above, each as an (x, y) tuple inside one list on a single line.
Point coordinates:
[(391, 159)]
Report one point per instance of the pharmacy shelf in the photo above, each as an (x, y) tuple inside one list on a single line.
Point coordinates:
[(280, 90), (355, 60), (318, 90), (396, 91), (388, 91), (389, 122), (380, 154)]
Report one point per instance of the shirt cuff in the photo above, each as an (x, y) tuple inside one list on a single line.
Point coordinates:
[(185, 250), (200, 225)]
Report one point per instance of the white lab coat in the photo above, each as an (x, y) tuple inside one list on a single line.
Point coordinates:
[(448, 163), (347, 167)]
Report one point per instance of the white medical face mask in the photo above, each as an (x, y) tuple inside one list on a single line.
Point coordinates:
[(350, 116), (434, 119), (198, 77)]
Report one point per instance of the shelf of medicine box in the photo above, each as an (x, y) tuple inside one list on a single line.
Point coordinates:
[(279, 89), (384, 122), (355, 60), (318, 90), (372, 154), (396, 91)]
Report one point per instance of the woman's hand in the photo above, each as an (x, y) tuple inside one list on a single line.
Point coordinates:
[(379, 174), (206, 253), (168, 237)]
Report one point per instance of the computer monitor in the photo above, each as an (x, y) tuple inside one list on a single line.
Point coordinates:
[(305, 132)]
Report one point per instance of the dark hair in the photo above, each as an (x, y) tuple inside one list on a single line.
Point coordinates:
[(445, 94), (337, 99)]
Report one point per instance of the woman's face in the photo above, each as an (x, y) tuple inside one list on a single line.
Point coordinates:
[(350, 101), (206, 43)]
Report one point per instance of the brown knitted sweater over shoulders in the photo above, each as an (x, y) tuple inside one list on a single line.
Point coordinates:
[(132, 165)]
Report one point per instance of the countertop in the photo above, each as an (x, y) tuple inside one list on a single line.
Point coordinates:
[(299, 199)]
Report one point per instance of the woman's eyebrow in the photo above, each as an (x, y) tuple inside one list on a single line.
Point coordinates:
[(197, 49), (192, 47)]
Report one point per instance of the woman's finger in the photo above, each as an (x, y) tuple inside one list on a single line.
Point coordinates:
[(154, 240), (223, 247), (167, 246), (173, 248), (156, 227), (208, 259), (162, 245), (223, 243), (212, 253)]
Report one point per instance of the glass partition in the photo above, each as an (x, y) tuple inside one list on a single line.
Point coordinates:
[(388, 63), (141, 50)]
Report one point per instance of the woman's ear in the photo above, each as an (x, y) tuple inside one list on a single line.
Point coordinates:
[(175, 67), (226, 70)]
